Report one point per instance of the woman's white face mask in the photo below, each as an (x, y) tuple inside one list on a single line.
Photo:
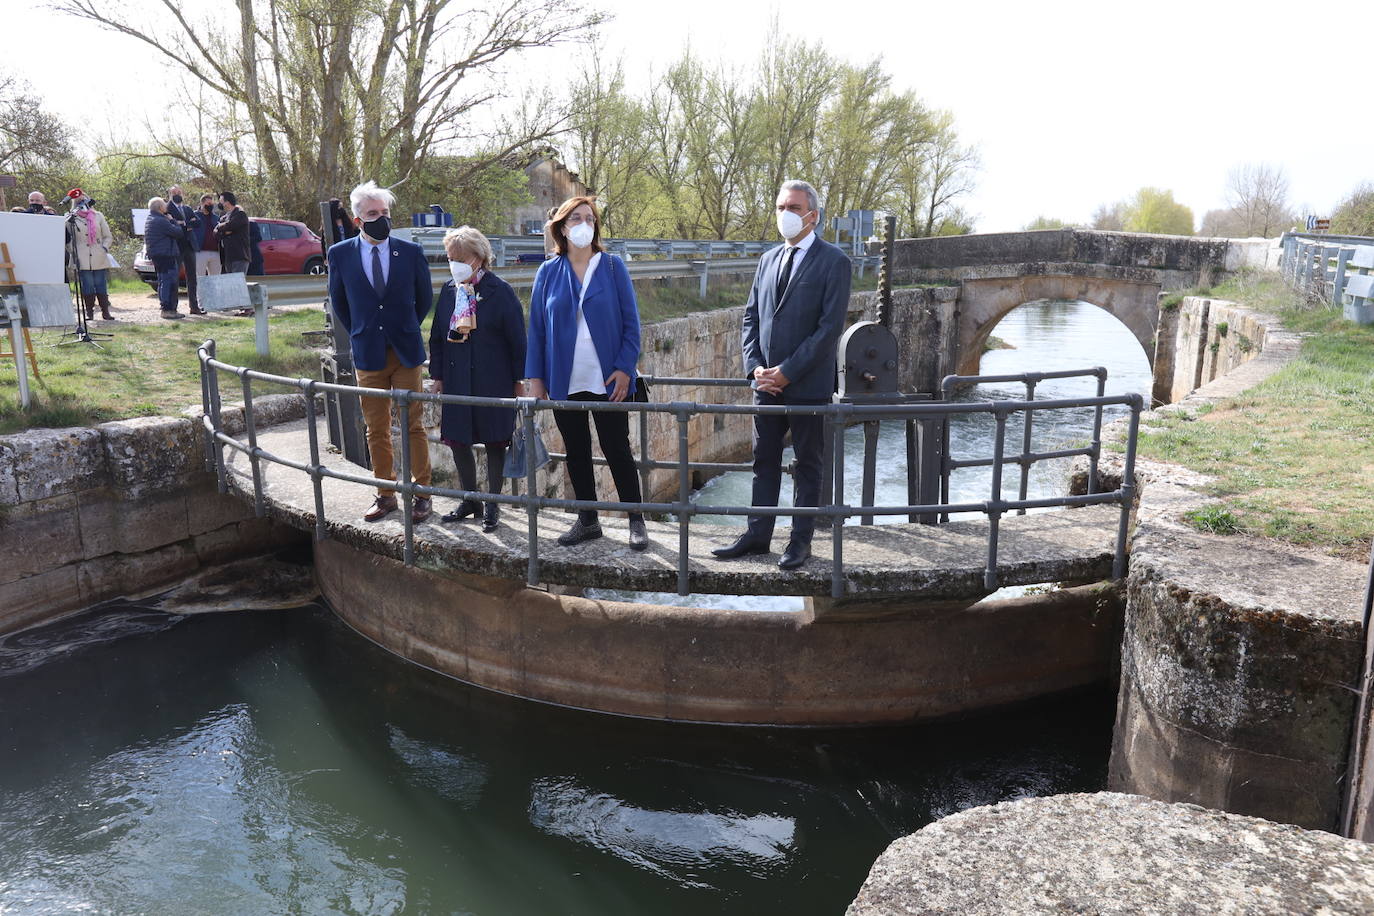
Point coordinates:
[(581, 234), (461, 270)]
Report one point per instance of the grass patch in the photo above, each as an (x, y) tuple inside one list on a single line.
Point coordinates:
[(1292, 456), (1213, 519), (147, 370)]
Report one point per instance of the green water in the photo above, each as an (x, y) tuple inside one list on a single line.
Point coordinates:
[(276, 762)]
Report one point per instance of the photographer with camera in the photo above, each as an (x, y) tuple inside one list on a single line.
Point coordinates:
[(90, 237)]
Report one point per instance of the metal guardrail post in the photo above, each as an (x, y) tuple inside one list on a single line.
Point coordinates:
[(316, 481), (684, 497), (1025, 463), (205, 406), (400, 398), (531, 499), (837, 419), (994, 506), (1343, 256), (215, 422), (259, 509), (1097, 431), (871, 429), (1127, 490)]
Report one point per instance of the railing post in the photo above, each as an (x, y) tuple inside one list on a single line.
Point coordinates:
[(837, 419), (221, 475), (871, 429), (1026, 445), (643, 465), (684, 507), (316, 481), (400, 399), (994, 508), (1343, 255), (531, 500), (1097, 431), (1127, 491), (259, 509)]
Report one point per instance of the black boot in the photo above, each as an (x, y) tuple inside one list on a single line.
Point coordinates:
[(105, 306), (468, 508), (491, 516), (496, 460), (88, 303)]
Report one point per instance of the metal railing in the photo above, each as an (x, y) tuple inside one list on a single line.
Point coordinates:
[(837, 416), (1309, 261), (1093, 451)]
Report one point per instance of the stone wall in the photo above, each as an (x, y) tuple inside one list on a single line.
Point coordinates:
[(1086, 246), (87, 515), (1211, 337)]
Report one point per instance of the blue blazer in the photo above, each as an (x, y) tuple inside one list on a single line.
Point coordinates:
[(393, 319), (612, 318), (799, 333)]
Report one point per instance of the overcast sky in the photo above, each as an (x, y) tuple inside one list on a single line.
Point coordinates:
[(1071, 104)]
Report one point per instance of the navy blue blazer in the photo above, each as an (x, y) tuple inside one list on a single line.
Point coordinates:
[(393, 319), (486, 365), (612, 314), (799, 333)]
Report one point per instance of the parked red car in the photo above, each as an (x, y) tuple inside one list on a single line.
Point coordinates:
[(288, 247)]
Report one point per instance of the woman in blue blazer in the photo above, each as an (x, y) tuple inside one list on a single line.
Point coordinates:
[(583, 346), (476, 348)]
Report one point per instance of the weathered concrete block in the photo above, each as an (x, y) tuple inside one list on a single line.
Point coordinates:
[(207, 509), (50, 462), (36, 541), (113, 523), (149, 453), (126, 575), (9, 484), (40, 598), (1116, 854)]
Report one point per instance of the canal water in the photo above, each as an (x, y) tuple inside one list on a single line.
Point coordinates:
[(276, 762)]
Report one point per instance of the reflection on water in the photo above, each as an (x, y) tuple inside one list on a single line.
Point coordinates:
[(275, 762), (1045, 337)]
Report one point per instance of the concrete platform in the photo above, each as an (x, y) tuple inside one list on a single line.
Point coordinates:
[(932, 563), (1113, 854)]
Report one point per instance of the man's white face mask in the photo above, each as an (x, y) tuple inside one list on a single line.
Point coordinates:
[(790, 225)]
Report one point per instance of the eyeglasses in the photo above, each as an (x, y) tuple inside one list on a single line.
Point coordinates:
[(575, 219)]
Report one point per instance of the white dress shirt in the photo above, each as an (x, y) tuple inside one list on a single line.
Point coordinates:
[(802, 248), (586, 365)]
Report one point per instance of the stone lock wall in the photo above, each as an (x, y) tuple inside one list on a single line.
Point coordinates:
[(1210, 338), (87, 515)]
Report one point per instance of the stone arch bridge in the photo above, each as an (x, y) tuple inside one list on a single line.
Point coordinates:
[(1122, 273)]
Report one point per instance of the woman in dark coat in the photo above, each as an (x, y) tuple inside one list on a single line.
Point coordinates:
[(162, 238), (476, 347)]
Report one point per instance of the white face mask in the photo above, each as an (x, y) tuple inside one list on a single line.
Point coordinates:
[(580, 235), (461, 270), (789, 224)]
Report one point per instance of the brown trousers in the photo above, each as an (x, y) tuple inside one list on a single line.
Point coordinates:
[(377, 416)]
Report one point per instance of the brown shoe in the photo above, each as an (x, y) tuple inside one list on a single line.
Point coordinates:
[(197, 310), (105, 306), (381, 508), (419, 509)]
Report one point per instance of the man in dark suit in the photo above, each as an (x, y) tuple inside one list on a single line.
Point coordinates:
[(792, 323), (380, 290), (233, 235), (189, 220)]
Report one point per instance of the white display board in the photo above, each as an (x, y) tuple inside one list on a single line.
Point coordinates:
[(140, 215), (36, 243)]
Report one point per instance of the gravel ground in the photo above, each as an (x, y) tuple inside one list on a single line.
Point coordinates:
[(143, 308)]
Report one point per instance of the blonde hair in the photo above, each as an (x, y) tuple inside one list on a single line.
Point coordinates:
[(468, 241)]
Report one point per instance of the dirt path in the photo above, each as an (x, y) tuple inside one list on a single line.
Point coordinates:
[(143, 308)]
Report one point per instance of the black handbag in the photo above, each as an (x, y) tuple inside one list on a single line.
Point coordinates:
[(641, 392)]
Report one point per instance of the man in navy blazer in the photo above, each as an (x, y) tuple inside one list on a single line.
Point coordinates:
[(792, 324), (380, 290)]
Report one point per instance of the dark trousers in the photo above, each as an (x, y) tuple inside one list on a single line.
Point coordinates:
[(613, 432), (166, 266), (807, 439), (188, 259)]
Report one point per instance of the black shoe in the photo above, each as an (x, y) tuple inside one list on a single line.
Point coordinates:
[(579, 532), (639, 537), (465, 509), (795, 555), (491, 515), (745, 545)]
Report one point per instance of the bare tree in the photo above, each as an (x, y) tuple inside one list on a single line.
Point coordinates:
[(1111, 217), (1258, 195), (316, 93), (30, 137)]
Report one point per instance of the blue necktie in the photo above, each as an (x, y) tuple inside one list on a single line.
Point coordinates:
[(378, 283)]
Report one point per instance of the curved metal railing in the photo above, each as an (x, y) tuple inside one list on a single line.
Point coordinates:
[(837, 417)]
